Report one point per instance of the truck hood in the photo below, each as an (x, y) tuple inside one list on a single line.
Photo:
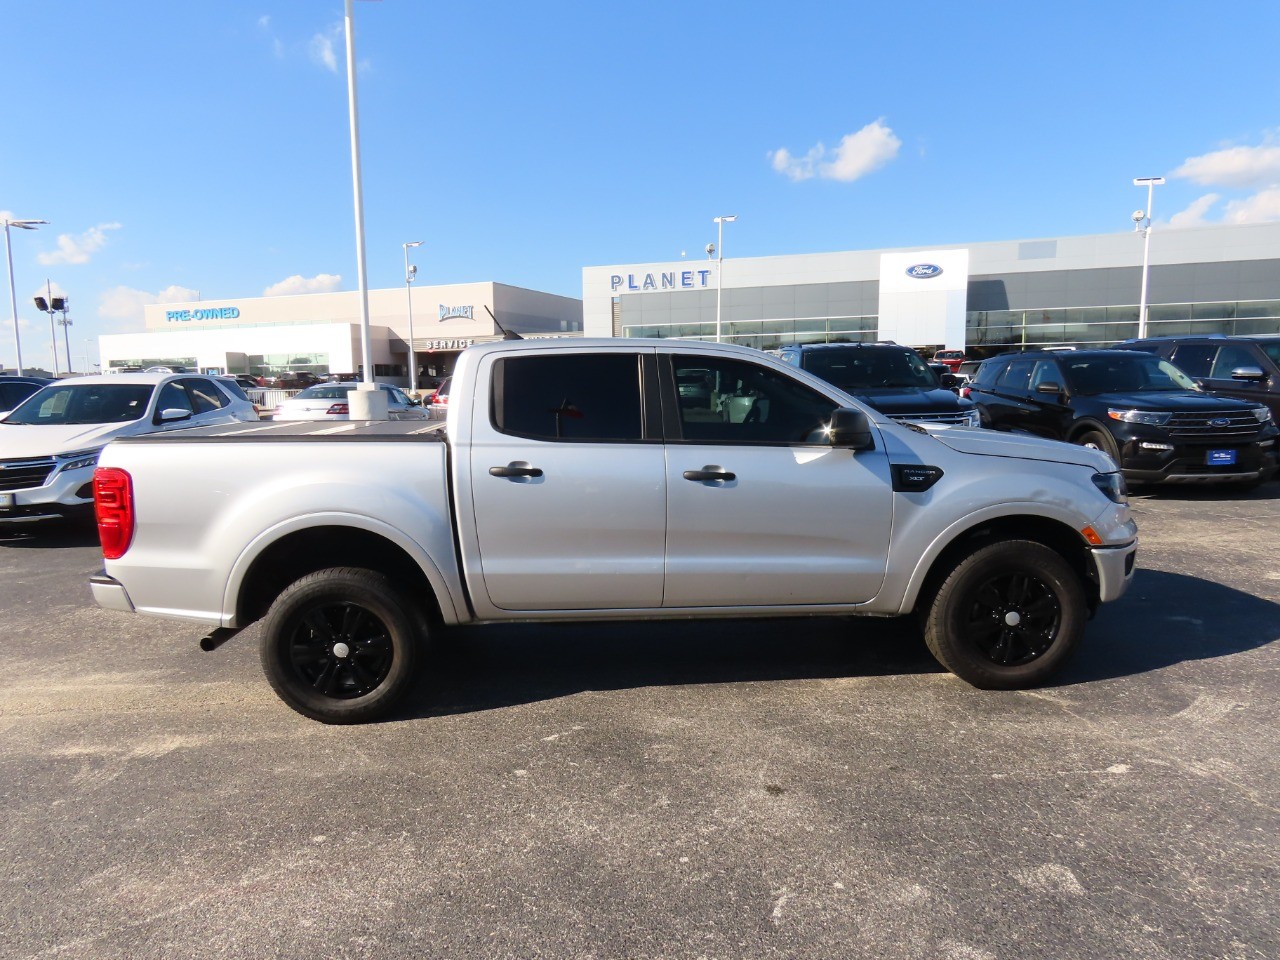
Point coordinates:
[(28, 442), (995, 443), (899, 401)]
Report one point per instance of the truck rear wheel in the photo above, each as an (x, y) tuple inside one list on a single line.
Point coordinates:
[(340, 645), (1007, 616)]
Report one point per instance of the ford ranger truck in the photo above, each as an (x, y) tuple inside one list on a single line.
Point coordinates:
[(606, 480)]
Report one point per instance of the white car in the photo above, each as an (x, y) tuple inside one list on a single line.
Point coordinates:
[(50, 443), (329, 401)]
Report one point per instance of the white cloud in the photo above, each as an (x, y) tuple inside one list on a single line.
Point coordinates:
[(1263, 206), (320, 283), (264, 22), (857, 155), (126, 303), (1194, 214), (78, 249), (1233, 167), (46, 290), (323, 48)]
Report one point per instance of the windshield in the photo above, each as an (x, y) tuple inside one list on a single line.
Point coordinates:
[(84, 403), (1134, 373), (326, 391), (860, 369)]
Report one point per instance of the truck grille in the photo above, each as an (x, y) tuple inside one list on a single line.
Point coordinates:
[(25, 474), (957, 419), (1214, 426)]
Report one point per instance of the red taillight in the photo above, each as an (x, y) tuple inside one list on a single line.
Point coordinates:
[(338, 408), (964, 392), (113, 506)]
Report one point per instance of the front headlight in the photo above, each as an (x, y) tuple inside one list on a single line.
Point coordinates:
[(78, 460), (1112, 485), (972, 418), (1262, 413), (1149, 417)]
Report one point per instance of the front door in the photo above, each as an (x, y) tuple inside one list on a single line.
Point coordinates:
[(761, 510)]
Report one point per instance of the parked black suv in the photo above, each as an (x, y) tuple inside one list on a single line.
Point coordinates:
[(1244, 367), (1145, 412), (891, 378), (15, 389)]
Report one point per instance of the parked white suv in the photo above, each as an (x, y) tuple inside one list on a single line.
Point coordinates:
[(50, 443)]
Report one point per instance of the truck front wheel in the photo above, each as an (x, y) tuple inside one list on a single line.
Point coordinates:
[(340, 645), (1007, 616)]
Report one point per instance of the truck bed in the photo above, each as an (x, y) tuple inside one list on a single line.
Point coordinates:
[(303, 430)]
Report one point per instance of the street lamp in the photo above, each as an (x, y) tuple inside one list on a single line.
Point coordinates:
[(720, 222), (51, 306), (63, 304), (13, 299), (1138, 216), (409, 274)]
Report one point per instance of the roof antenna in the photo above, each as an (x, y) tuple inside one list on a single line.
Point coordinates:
[(506, 334)]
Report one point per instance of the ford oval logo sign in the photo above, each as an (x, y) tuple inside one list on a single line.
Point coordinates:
[(922, 271), (1220, 422)]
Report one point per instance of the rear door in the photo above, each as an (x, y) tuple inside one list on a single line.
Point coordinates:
[(1005, 402), (568, 480), (761, 510)]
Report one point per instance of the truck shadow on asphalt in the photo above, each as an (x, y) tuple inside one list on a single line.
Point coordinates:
[(1168, 618), (485, 668), (1209, 493), (49, 534), (1164, 619)]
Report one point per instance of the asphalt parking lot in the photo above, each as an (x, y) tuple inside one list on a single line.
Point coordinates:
[(749, 789)]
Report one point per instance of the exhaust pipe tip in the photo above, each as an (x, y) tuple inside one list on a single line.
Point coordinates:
[(216, 638)]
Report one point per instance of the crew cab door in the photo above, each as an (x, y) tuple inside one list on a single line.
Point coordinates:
[(568, 480), (761, 510)]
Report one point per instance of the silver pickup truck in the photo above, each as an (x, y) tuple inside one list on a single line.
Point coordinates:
[(609, 479)]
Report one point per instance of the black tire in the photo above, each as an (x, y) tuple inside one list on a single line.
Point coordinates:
[(341, 645), (1007, 616), (1098, 440)]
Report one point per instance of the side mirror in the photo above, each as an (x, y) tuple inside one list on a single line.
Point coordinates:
[(1049, 387), (1254, 374), (173, 415), (850, 428)]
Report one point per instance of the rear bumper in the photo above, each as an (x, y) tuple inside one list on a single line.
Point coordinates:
[(110, 593)]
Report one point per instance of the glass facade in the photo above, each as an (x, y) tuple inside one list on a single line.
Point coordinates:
[(767, 334)]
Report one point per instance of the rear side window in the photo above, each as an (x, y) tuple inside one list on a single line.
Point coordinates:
[(205, 397), (1018, 376), (987, 371), (579, 396), (1194, 359)]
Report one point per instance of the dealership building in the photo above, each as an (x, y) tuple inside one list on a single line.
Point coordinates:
[(320, 333), (984, 298)]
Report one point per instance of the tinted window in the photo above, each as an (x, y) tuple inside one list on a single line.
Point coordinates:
[(581, 396), (1272, 350), (732, 401), (85, 403), (327, 392), (1230, 356), (859, 369), (1124, 373), (205, 397), (1194, 359), (1045, 371), (173, 397), (1017, 377), (234, 388), (987, 372)]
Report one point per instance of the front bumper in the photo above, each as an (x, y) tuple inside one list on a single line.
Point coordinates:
[(1189, 462), (1114, 567), (110, 593), (65, 494)]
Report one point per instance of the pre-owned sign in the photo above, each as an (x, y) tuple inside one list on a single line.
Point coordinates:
[(205, 313)]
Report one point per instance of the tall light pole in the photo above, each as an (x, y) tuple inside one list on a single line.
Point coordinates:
[(13, 299), (720, 222), (64, 304), (409, 274), (1150, 183), (368, 402), (48, 306)]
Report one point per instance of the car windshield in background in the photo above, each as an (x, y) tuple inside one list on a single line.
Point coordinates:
[(867, 369), (1139, 373), (84, 403), (327, 391)]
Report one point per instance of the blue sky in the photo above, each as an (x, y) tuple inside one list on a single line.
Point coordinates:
[(201, 146)]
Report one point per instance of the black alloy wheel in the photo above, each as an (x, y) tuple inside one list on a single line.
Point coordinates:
[(1014, 618), (343, 650), (341, 645), (1007, 615)]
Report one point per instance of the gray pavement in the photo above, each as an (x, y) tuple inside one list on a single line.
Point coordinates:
[(812, 788)]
